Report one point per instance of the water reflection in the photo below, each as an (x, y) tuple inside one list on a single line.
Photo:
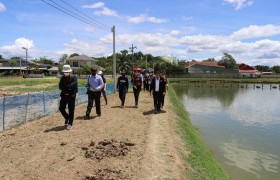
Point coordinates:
[(249, 160), (241, 126)]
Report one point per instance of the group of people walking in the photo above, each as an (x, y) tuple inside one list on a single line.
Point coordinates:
[(96, 85)]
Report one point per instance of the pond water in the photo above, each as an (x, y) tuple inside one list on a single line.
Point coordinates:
[(241, 126)]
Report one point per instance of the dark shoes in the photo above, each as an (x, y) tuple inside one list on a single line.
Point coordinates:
[(86, 117)]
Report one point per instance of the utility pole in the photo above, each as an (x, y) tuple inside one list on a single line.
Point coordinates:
[(132, 51), (26, 50), (114, 56)]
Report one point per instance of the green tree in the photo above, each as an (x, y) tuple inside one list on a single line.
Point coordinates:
[(1, 57), (15, 57), (276, 69), (74, 54), (44, 60), (210, 59), (63, 59), (228, 61), (12, 63), (263, 68)]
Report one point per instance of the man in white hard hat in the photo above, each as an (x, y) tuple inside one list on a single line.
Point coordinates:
[(69, 88)]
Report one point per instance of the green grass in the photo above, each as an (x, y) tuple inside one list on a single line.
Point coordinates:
[(225, 80), (203, 164)]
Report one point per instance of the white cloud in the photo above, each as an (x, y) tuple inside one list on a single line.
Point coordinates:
[(187, 18), (95, 5), (255, 31), (16, 48), (145, 18), (2, 7), (84, 47), (239, 4), (90, 29), (68, 32), (106, 12)]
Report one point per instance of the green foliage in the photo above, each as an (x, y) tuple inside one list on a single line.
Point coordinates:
[(63, 59), (15, 57), (44, 60), (12, 62), (1, 57), (74, 54), (211, 59), (228, 61), (263, 68), (276, 69)]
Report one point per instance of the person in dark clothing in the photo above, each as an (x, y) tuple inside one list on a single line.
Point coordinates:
[(69, 88), (103, 90), (122, 87), (136, 82), (94, 85), (146, 82), (159, 90), (166, 87)]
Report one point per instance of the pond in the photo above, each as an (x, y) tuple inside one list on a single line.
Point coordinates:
[(240, 124)]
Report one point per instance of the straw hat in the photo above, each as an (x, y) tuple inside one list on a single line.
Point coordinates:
[(66, 69)]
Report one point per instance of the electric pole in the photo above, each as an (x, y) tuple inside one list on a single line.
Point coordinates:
[(114, 56), (26, 49), (132, 51)]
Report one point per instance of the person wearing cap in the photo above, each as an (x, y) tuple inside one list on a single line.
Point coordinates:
[(159, 89), (69, 88), (94, 85), (103, 90), (136, 82), (122, 87)]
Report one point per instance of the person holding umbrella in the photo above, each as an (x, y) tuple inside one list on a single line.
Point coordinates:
[(122, 87), (136, 82)]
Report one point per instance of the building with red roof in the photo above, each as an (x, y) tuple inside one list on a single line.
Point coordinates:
[(248, 71)]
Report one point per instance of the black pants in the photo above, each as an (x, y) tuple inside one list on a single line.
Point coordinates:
[(136, 93), (122, 95), (162, 102), (94, 96), (157, 100), (70, 101)]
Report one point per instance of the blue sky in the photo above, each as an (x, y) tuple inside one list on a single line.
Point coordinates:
[(190, 29)]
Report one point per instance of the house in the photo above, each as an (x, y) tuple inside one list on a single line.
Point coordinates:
[(248, 71), (53, 71), (80, 61), (205, 67)]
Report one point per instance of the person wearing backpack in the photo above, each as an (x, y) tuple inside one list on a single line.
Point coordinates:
[(69, 88)]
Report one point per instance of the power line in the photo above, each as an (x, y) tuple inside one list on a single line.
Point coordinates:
[(94, 24), (70, 13), (85, 14)]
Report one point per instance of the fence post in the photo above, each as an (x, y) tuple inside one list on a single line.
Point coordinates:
[(4, 102), (26, 107), (44, 102)]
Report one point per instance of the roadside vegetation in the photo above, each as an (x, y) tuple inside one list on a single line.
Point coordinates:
[(201, 163)]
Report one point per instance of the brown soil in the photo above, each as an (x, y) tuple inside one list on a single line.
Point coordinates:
[(124, 143)]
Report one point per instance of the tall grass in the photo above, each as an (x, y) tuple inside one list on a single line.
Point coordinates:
[(203, 164)]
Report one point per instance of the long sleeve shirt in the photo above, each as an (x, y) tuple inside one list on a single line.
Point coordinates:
[(122, 83), (68, 85), (95, 83)]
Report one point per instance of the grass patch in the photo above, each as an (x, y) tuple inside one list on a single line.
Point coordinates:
[(225, 80), (203, 164)]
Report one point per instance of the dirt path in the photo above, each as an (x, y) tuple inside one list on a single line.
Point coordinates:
[(42, 149)]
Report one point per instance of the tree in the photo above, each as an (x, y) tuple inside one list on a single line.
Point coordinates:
[(276, 69), (263, 68), (44, 60), (63, 59), (12, 63), (210, 59), (74, 54), (1, 57), (228, 61), (15, 57)]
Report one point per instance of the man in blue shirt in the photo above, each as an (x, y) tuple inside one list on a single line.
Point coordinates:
[(94, 85)]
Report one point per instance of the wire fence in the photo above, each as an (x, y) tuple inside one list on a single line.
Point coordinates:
[(16, 110)]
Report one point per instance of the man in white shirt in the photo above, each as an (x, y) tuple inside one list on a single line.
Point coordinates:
[(159, 90)]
